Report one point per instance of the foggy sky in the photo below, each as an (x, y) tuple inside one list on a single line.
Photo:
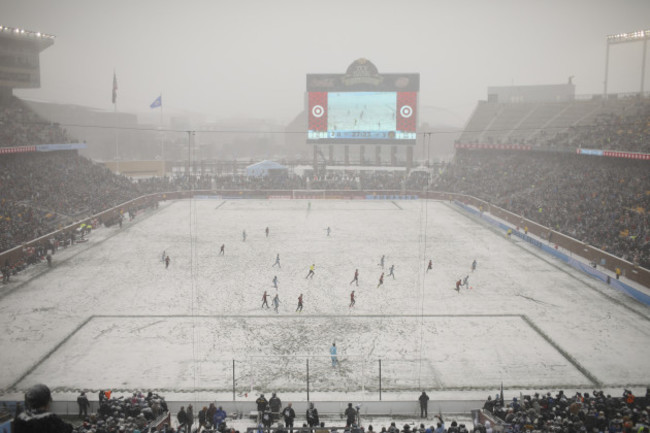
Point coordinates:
[(249, 58)]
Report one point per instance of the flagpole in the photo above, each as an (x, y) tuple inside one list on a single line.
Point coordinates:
[(162, 138), (117, 145)]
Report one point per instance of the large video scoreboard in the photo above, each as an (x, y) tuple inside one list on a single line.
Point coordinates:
[(362, 106)]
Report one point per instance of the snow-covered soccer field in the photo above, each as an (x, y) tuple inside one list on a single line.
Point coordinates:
[(110, 315)]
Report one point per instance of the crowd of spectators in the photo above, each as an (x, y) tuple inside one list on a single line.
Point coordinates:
[(589, 412), (627, 130), (20, 126), (40, 192), (593, 412), (603, 202), (600, 201), (619, 125), (130, 414)]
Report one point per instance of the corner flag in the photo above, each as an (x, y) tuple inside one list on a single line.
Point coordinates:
[(157, 103)]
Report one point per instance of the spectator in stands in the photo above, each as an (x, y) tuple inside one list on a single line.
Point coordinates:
[(262, 405), (181, 417), (275, 404), (212, 409), (37, 418), (219, 418), (84, 404), (190, 417), (424, 403), (203, 413), (350, 415), (289, 415), (312, 416)]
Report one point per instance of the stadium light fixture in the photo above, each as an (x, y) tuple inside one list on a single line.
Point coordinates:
[(24, 32), (628, 37)]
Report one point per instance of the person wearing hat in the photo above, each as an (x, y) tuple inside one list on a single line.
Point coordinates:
[(84, 404), (37, 418), (351, 415), (262, 404), (424, 402)]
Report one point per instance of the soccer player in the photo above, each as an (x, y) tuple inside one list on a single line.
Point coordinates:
[(267, 232), (222, 250), (276, 302), (381, 280), (473, 265), (356, 277), (299, 309), (352, 300), (243, 236), (311, 272), (167, 260), (335, 360), (265, 302), (430, 265), (277, 261), (390, 271), (275, 281), (381, 262)]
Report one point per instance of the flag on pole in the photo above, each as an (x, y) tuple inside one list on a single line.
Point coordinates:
[(157, 103), (114, 87)]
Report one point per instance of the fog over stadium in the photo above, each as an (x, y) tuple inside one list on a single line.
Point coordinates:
[(248, 59), (440, 196)]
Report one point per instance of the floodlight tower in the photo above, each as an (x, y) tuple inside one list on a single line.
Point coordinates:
[(621, 38)]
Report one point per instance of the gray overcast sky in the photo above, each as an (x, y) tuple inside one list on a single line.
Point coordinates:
[(249, 58)]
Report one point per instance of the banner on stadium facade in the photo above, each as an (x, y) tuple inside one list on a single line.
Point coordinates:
[(492, 146), (613, 154), (54, 147), (17, 149)]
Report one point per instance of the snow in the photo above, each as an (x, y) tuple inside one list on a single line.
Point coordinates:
[(110, 315)]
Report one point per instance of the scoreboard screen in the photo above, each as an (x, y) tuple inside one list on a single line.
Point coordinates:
[(381, 117)]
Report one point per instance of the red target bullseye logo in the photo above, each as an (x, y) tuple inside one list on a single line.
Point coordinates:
[(318, 111), (406, 111)]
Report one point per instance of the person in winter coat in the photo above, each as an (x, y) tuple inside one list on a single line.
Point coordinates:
[(262, 405), (219, 417), (190, 418), (181, 416), (203, 416), (312, 416), (37, 418), (424, 402), (209, 417), (289, 414), (84, 404), (275, 404), (350, 415)]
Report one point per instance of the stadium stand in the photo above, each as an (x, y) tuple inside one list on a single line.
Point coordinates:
[(613, 124), (20, 126), (597, 200), (582, 412), (600, 201)]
